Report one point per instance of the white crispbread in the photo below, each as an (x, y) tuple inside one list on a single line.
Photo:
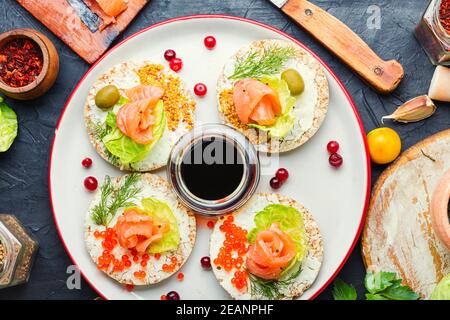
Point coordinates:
[(124, 76), (244, 218), (156, 187), (310, 109)]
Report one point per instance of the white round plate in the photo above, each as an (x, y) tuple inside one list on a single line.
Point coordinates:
[(337, 198)]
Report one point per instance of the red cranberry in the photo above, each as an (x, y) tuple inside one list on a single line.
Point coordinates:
[(87, 162), (173, 295), (333, 147), (282, 175), (275, 183), (169, 55), (210, 42), (200, 89), (205, 262), (91, 183), (176, 64), (336, 160)]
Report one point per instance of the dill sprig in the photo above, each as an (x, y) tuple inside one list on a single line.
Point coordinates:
[(258, 64), (115, 197), (100, 131), (270, 289)]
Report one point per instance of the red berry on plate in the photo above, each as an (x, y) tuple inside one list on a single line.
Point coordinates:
[(282, 175), (333, 147), (87, 162), (91, 183), (275, 183), (169, 55), (210, 42), (205, 262), (176, 64), (336, 160), (173, 295), (200, 89)]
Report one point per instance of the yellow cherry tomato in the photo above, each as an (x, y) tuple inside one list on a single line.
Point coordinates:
[(384, 145)]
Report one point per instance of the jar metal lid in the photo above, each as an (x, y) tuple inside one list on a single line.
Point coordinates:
[(247, 186)]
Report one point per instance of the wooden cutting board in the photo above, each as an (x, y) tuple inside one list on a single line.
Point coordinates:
[(81, 32), (398, 235)]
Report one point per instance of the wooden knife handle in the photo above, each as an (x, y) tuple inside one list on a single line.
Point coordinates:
[(383, 76)]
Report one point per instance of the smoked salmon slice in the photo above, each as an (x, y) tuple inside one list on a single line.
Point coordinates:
[(271, 253), (112, 7), (256, 102), (137, 230), (136, 119)]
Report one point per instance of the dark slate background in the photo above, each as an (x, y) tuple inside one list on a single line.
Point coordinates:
[(23, 169)]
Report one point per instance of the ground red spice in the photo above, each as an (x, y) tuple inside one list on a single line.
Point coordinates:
[(444, 15), (21, 62)]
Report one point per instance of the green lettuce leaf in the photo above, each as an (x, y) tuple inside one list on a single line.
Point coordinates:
[(343, 291), (442, 290), (290, 222), (8, 126), (124, 147), (285, 121), (160, 210)]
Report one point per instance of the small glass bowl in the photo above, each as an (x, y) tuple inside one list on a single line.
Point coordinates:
[(247, 186)]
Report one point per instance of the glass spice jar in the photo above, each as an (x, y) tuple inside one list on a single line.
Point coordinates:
[(17, 252), (433, 32)]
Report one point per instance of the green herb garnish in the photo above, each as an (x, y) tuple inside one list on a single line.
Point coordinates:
[(100, 131), (380, 286), (258, 64), (271, 289), (343, 291), (114, 197)]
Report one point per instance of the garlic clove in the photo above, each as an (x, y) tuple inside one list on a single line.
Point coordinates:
[(414, 110)]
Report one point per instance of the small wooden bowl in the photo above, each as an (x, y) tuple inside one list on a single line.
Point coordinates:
[(49, 72)]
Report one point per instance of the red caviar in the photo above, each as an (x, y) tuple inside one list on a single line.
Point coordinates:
[(210, 224), (180, 276), (170, 267), (232, 253), (118, 264), (129, 287), (140, 274)]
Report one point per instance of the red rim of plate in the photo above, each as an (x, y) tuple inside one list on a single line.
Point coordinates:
[(260, 24)]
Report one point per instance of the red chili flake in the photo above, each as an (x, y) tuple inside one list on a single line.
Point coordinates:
[(21, 62), (444, 15)]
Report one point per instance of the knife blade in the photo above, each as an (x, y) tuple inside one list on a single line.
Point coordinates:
[(89, 18), (383, 76)]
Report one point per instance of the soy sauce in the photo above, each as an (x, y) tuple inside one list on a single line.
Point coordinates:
[(212, 169)]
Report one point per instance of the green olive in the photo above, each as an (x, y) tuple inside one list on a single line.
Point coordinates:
[(294, 81), (107, 97)]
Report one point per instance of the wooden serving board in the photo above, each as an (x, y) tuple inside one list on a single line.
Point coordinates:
[(398, 235), (66, 21)]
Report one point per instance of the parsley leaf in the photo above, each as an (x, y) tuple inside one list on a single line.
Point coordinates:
[(377, 282), (343, 291), (380, 286), (399, 292), (370, 296)]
